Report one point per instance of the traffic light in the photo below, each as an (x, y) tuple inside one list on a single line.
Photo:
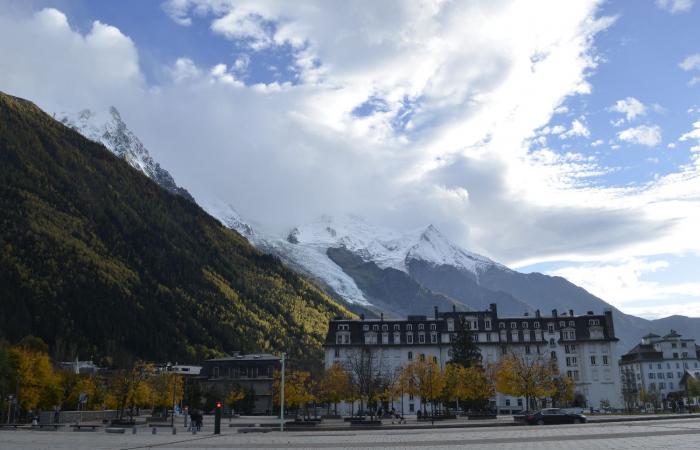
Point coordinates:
[(217, 418)]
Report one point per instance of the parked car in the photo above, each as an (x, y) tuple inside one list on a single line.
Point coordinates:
[(550, 416)]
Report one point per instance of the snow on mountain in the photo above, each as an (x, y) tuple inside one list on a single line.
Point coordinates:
[(108, 128), (387, 248), (228, 216)]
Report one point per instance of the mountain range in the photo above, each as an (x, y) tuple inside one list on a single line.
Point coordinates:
[(374, 270), (101, 261)]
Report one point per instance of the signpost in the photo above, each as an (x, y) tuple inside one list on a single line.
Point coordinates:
[(282, 396)]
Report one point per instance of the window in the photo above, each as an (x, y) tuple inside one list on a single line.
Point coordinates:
[(562, 324), (385, 338), (674, 345), (421, 326), (337, 352), (684, 344), (411, 406), (215, 372), (397, 327), (525, 325), (343, 326), (507, 402), (435, 359), (670, 385), (409, 338), (660, 375), (569, 335), (487, 324), (501, 325), (593, 322), (397, 337), (572, 323), (527, 349), (520, 402), (514, 335), (593, 360), (675, 355), (385, 327), (409, 327), (550, 328), (651, 375), (571, 361), (552, 343), (669, 375), (658, 366), (365, 328), (488, 337), (433, 326), (375, 327), (450, 324), (662, 385), (410, 358), (570, 348), (605, 360), (421, 338), (685, 355), (513, 325), (433, 338), (553, 355)]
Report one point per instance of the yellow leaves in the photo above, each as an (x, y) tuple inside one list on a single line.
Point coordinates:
[(234, 396), (529, 377), (165, 389), (467, 383), (423, 378), (39, 385), (335, 384), (298, 388)]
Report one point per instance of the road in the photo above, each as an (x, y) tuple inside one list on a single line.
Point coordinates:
[(675, 434)]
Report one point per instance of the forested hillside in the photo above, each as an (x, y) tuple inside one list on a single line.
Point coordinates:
[(97, 258)]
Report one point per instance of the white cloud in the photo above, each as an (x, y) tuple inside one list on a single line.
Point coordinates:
[(675, 6), (625, 284), (691, 62), (578, 128), (647, 135), (694, 134), (597, 142), (630, 107)]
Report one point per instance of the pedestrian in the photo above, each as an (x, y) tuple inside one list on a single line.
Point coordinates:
[(186, 413)]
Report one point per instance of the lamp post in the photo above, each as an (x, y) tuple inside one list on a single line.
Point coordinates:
[(282, 396)]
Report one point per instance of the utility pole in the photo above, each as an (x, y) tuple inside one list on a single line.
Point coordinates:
[(282, 396), (172, 416)]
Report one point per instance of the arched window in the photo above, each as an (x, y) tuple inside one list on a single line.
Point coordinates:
[(553, 355)]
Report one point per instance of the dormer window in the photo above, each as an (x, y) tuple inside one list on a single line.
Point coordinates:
[(375, 327), (536, 325), (513, 325), (501, 325), (487, 324), (433, 326), (421, 326), (409, 327), (365, 328), (397, 327), (525, 325), (385, 327)]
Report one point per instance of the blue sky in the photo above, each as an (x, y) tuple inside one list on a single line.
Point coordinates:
[(551, 136)]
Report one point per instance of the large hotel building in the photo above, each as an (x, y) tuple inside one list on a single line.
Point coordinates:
[(584, 346)]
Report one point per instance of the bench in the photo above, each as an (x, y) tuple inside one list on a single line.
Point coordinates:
[(47, 426), (115, 430), (360, 423), (80, 427)]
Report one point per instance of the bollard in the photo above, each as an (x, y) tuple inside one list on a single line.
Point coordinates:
[(153, 430), (174, 430), (194, 430), (133, 430)]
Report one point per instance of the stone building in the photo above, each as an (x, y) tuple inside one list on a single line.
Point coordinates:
[(584, 346)]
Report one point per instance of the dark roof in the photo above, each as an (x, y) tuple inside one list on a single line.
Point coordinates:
[(642, 352), (250, 357), (672, 334), (651, 335)]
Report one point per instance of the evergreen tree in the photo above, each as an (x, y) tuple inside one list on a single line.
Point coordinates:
[(465, 351)]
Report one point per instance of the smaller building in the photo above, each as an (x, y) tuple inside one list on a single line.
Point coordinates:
[(655, 368), (251, 373)]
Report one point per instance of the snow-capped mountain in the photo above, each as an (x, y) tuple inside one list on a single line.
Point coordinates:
[(375, 269), (108, 128)]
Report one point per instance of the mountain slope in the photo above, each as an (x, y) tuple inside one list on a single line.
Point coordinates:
[(109, 129), (97, 258)]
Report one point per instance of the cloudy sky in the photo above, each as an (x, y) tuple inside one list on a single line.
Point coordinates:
[(558, 136)]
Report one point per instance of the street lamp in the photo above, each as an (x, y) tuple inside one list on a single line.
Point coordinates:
[(282, 396)]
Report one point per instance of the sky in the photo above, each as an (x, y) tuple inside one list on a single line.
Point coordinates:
[(561, 137)]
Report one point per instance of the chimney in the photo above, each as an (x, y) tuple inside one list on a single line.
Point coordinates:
[(494, 309), (526, 314), (609, 322), (435, 309), (362, 316), (571, 313), (454, 308), (554, 313), (537, 313), (381, 317)]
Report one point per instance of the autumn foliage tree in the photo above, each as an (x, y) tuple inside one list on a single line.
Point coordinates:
[(334, 387), (425, 379), (526, 376), (298, 388), (469, 385)]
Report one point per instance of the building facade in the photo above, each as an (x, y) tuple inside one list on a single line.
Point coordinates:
[(582, 345), (657, 367), (254, 371)]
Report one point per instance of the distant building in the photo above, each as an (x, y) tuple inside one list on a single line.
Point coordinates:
[(255, 371), (181, 369), (584, 346), (79, 367), (658, 365)]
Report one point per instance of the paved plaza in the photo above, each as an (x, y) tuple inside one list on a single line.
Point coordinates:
[(678, 434)]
